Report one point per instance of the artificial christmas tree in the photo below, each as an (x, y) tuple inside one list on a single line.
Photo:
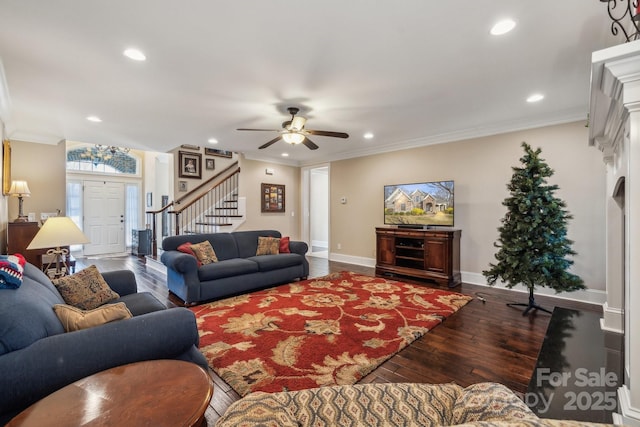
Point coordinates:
[(533, 245)]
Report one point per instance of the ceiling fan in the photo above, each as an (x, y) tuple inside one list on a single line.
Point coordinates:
[(294, 132)]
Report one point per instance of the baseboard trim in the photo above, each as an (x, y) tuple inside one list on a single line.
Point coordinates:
[(630, 416), (350, 259), (612, 320), (589, 296)]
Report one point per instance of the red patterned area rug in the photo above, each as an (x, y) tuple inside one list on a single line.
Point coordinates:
[(329, 330)]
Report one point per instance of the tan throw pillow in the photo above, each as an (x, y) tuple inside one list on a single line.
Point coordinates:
[(204, 252), (74, 319), (85, 289), (268, 246)]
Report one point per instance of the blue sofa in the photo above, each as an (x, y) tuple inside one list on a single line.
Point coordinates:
[(37, 357), (238, 269)]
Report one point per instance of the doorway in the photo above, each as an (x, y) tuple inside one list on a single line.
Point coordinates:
[(316, 203), (104, 210)]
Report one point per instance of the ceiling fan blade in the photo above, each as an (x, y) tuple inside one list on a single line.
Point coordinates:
[(327, 133), (261, 130), (273, 141), (309, 144)]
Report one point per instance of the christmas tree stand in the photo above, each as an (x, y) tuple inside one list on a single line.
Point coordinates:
[(532, 305)]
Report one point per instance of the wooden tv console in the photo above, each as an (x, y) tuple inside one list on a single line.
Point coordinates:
[(432, 254)]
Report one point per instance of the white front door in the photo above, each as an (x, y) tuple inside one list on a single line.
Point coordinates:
[(103, 204)]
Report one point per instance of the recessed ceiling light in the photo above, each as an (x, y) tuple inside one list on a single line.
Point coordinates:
[(285, 154), (212, 141), (94, 119), (134, 54), (368, 135), (535, 97), (503, 27)]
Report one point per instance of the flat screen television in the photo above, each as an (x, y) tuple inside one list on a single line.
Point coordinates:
[(419, 204)]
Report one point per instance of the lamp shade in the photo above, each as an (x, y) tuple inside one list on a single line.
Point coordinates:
[(19, 189), (58, 231)]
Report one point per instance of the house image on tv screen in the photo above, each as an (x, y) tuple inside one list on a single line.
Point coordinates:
[(429, 203)]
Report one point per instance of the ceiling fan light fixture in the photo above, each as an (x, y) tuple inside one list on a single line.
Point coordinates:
[(293, 137)]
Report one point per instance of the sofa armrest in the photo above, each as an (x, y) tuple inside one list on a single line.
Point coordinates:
[(179, 261), (297, 247), (51, 363), (121, 281)]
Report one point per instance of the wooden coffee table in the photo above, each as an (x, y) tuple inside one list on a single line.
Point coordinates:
[(154, 393)]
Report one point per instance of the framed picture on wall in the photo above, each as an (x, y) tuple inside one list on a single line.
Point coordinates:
[(6, 167), (209, 164), (219, 153), (190, 165), (272, 198)]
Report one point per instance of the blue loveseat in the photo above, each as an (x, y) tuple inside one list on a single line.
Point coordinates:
[(37, 357), (238, 269)]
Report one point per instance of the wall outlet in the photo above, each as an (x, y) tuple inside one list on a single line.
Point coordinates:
[(339, 245)]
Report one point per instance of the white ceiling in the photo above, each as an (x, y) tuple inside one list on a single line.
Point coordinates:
[(413, 72)]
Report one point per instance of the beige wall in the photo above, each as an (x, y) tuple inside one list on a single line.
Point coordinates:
[(43, 167), (481, 169), (252, 174)]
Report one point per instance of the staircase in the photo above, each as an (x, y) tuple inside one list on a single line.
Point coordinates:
[(212, 207)]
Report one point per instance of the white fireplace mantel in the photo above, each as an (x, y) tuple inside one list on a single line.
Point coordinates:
[(614, 128)]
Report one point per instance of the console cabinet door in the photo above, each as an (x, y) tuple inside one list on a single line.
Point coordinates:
[(386, 249), (436, 257)]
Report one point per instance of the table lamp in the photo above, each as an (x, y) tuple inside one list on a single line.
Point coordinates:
[(56, 232), (20, 189)]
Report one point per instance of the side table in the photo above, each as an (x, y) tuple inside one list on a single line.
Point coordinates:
[(151, 393)]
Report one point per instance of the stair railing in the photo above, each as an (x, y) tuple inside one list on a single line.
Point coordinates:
[(208, 208)]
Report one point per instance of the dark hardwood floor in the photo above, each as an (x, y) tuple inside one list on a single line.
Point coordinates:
[(484, 341)]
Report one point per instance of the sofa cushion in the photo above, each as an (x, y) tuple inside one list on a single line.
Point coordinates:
[(11, 269), (26, 315), (204, 252), (185, 248), (268, 245), (227, 268), (247, 241), (74, 319), (275, 262), (284, 245), (85, 289)]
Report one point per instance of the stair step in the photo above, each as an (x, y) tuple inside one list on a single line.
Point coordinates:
[(213, 224), (223, 216)]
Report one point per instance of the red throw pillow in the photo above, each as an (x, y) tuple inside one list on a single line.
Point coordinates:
[(186, 248), (284, 245)]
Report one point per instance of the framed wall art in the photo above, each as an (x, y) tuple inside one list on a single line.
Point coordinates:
[(209, 164), (182, 186), (6, 167), (272, 197), (190, 165), (219, 153)]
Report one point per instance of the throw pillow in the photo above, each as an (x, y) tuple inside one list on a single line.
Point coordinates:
[(186, 248), (11, 269), (204, 252), (74, 319), (284, 245), (85, 289), (268, 245)]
